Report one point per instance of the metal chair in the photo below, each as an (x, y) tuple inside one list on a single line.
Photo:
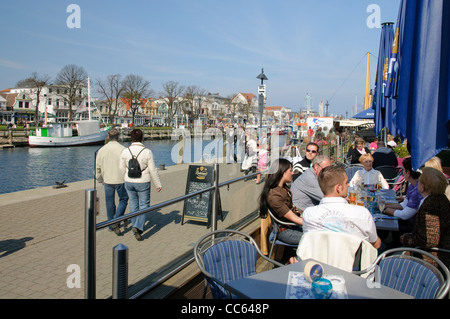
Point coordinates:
[(351, 170), (393, 176), (275, 231), (390, 173), (224, 256), (410, 274)]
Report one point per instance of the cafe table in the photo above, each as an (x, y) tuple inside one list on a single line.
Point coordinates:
[(382, 221), (385, 222), (273, 284)]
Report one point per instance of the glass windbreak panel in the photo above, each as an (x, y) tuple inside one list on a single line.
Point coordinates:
[(169, 237)]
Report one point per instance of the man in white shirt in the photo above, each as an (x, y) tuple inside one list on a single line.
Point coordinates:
[(334, 213), (107, 173)]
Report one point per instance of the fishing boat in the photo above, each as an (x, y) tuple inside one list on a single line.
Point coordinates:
[(76, 133)]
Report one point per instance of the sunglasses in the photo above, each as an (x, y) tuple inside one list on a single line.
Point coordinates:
[(311, 151)]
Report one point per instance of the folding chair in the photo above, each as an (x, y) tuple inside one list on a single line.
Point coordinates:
[(410, 274), (275, 231), (224, 256)]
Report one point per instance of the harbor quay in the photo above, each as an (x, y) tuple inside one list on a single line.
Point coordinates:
[(42, 245)]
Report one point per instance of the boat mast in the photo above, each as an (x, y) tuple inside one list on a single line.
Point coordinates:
[(366, 99), (89, 98)]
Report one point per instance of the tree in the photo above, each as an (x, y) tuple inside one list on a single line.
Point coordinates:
[(111, 90), (232, 106), (71, 79), (173, 92), (136, 88), (191, 94), (37, 84)]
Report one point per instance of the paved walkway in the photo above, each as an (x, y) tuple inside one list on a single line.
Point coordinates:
[(42, 235)]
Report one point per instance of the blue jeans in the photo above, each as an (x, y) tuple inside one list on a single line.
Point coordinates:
[(139, 195), (292, 235), (110, 197)]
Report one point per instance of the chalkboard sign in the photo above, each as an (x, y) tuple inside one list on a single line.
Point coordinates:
[(199, 208)]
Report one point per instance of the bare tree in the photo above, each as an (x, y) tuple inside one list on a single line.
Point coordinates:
[(191, 94), (232, 106), (71, 79), (111, 90), (172, 94), (37, 83), (136, 88)]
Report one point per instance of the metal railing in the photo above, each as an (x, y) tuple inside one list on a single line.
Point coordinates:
[(91, 228)]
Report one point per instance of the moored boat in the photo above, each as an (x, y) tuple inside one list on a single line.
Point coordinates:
[(88, 132)]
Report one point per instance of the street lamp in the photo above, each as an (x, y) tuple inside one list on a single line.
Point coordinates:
[(135, 104), (261, 97)]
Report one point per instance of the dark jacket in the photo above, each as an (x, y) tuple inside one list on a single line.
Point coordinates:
[(384, 156), (355, 154), (431, 226)]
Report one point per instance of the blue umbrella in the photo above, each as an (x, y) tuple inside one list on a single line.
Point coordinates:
[(423, 104), (382, 106), (392, 81)]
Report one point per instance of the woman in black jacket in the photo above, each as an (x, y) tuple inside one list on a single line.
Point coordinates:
[(355, 152)]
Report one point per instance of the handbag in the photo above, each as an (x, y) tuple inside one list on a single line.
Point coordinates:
[(293, 159)]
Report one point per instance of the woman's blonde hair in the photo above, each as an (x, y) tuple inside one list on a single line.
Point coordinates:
[(433, 180), (434, 162), (364, 157)]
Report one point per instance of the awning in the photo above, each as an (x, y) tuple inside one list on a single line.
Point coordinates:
[(366, 114)]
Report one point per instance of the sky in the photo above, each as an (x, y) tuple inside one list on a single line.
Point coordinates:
[(305, 46)]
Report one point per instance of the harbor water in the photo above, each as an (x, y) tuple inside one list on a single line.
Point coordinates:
[(25, 168)]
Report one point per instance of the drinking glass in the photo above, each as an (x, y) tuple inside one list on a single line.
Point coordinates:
[(381, 203)]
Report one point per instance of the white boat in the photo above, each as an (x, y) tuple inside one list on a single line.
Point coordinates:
[(88, 132)]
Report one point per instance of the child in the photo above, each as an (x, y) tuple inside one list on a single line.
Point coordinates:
[(263, 159)]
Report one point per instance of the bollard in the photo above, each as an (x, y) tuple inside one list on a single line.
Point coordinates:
[(215, 208), (120, 272), (90, 242)]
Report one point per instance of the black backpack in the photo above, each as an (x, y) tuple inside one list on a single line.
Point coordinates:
[(134, 169)]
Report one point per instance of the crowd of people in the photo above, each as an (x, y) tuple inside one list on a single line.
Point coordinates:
[(317, 199), (311, 194)]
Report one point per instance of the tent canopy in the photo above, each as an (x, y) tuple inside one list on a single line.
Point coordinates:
[(366, 114)]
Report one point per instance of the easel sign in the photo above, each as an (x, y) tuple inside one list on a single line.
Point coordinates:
[(199, 208)]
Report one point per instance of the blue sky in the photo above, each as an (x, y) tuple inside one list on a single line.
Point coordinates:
[(315, 46)]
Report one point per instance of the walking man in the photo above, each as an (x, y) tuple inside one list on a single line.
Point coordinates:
[(107, 173)]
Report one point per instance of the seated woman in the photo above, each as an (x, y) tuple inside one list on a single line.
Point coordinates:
[(368, 175), (409, 206), (277, 197), (432, 225), (435, 162), (359, 149)]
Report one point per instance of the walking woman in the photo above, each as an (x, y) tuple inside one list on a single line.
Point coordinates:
[(277, 197), (138, 187)]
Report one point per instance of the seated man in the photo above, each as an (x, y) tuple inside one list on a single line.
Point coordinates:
[(305, 190), (334, 213), (312, 150), (384, 156)]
